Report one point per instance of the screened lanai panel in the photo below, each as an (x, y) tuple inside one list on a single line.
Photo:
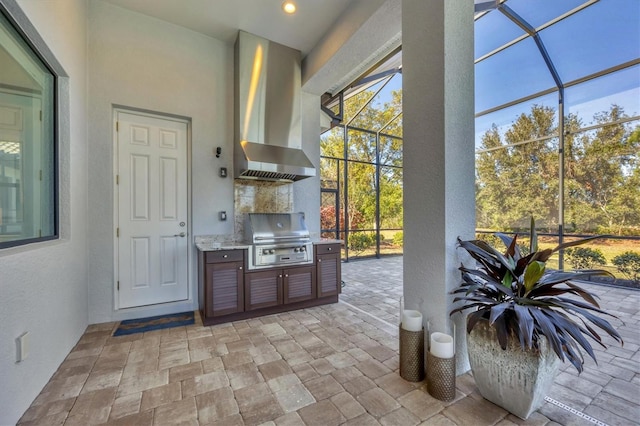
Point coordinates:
[(395, 127), (601, 36), (329, 173), (390, 198), (494, 30), (361, 146), (602, 183), (515, 183), (511, 74), (595, 97), (361, 187), (391, 151), (539, 12), (332, 142), (383, 107), (492, 129), (359, 97)]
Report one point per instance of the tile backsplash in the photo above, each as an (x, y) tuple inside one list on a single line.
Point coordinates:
[(260, 197)]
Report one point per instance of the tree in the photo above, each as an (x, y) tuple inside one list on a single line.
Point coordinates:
[(517, 174), (603, 176)]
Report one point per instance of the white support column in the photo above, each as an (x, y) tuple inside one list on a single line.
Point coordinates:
[(438, 119)]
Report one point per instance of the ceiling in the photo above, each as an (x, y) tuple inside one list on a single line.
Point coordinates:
[(222, 19)]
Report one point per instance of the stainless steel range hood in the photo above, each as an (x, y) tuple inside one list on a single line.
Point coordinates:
[(268, 130)]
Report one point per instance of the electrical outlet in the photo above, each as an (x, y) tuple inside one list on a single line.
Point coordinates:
[(223, 216), (223, 172)]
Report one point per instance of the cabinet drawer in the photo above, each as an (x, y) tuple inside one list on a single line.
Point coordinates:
[(225, 256), (327, 248)]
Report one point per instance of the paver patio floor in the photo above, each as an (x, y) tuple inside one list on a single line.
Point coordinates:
[(328, 365)]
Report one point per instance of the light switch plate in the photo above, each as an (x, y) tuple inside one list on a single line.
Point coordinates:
[(223, 172), (223, 215)]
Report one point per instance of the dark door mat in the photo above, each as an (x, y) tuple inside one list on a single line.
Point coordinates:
[(160, 322)]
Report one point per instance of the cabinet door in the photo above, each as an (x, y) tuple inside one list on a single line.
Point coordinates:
[(299, 284), (263, 289), (328, 275), (225, 282)]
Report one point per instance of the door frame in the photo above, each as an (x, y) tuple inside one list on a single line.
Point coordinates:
[(114, 173)]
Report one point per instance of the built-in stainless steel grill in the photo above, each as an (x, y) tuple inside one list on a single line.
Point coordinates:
[(277, 239)]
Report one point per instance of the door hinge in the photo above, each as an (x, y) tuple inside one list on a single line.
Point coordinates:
[(117, 179), (118, 285), (40, 115), (117, 126), (40, 174), (118, 232)]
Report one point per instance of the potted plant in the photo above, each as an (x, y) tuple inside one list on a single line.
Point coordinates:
[(525, 319)]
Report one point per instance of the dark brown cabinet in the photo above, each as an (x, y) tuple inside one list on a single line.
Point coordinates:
[(274, 287), (223, 291), (328, 269), (262, 289), (299, 284), (229, 292)]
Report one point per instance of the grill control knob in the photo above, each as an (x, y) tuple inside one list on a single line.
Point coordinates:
[(303, 248), (272, 251), (296, 250)]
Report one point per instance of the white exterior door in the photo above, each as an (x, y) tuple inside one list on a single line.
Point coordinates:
[(152, 232)]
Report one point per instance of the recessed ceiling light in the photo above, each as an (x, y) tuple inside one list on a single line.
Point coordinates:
[(289, 7)]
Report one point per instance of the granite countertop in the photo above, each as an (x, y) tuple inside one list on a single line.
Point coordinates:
[(227, 242), (326, 241), (229, 245), (219, 242)]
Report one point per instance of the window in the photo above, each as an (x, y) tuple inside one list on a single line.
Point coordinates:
[(28, 199)]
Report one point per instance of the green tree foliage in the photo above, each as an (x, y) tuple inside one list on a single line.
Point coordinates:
[(517, 174), (362, 112), (603, 173)]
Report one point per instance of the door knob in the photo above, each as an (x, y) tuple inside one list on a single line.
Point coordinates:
[(182, 234)]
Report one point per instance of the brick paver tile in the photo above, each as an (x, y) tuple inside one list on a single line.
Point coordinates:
[(470, 410), (347, 404), (183, 412), (377, 402), (401, 416), (323, 387), (161, 395), (294, 397), (204, 383), (321, 413), (358, 385), (421, 404), (274, 369), (216, 405), (126, 405)]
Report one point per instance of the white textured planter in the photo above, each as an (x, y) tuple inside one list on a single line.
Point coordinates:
[(514, 379)]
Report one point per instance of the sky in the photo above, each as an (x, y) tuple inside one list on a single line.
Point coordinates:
[(602, 35), (611, 38)]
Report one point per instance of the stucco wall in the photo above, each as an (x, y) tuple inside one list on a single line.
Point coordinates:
[(43, 287), (438, 149), (141, 62)]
